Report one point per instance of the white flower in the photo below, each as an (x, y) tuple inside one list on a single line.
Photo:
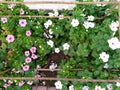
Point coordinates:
[(52, 66), (61, 16), (91, 24), (97, 87), (106, 66), (117, 23), (118, 84), (109, 87), (113, 26), (51, 43), (90, 18), (66, 46), (114, 43), (103, 89), (58, 85), (51, 14), (49, 22), (71, 87), (56, 12), (50, 31), (87, 24), (4, 80), (82, 15), (74, 22), (85, 88), (104, 56), (57, 50), (50, 36), (98, 5), (101, 5), (46, 25), (38, 66)]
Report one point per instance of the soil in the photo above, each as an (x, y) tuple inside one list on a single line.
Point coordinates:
[(54, 58)]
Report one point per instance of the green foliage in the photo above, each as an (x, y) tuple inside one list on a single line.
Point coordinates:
[(84, 44)]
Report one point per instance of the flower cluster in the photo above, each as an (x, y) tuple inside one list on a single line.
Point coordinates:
[(29, 58), (47, 24), (88, 25), (94, 52), (7, 83)]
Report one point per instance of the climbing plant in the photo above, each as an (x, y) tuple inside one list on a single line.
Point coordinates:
[(88, 39)]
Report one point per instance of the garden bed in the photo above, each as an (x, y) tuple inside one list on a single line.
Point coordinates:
[(81, 44)]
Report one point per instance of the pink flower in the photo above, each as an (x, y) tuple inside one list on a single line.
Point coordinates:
[(30, 82), (33, 49), (34, 56), (10, 38), (5, 85), (4, 19), (10, 82), (37, 76), (45, 35), (21, 11), (21, 83), (27, 53), (22, 22), (10, 6), (26, 68), (28, 60), (28, 33)]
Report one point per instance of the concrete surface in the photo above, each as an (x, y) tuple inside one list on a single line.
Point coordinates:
[(50, 6)]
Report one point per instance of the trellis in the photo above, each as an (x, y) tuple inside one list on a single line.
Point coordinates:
[(67, 17)]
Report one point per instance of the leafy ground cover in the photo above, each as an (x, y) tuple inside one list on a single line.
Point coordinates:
[(87, 41)]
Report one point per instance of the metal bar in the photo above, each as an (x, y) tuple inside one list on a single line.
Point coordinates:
[(119, 19), (57, 2), (28, 16), (57, 69), (62, 79), (75, 69)]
